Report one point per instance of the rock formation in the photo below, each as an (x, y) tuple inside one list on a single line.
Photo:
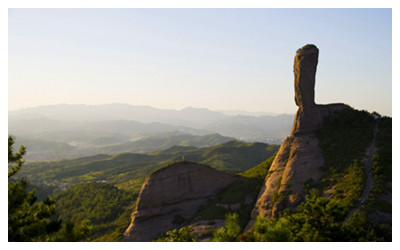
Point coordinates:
[(172, 193), (305, 67), (299, 156)]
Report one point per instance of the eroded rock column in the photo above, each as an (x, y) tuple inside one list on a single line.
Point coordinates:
[(308, 116), (305, 68), (299, 157)]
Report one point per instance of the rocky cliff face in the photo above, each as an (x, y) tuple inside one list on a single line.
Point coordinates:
[(300, 156), (170, 194)]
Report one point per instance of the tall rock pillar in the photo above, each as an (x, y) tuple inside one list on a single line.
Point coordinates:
[(299, 156), (308, 116), (304, 68)]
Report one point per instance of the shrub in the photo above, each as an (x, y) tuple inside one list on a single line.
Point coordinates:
[(272, 230), (184, 234), (230, 231)]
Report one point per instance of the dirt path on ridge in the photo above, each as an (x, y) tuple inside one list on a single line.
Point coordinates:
[(371, 150)]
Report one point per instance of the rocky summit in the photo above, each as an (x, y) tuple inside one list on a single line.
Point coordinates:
[(300, 156), (170, 197), (309, 116), (172, 194)]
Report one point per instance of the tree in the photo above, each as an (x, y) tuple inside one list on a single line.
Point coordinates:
[(184, 234), (230, 231), (318, 219), (271, 230), (70, 232), (16, 158), (28, 220)]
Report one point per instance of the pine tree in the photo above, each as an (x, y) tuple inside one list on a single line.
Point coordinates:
[(16, 158), (28, 220)]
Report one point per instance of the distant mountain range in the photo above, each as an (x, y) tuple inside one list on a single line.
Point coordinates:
[(196, 118), (67, 131), (191, 117)]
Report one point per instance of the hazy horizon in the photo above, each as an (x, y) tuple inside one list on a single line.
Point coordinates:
[(231, 112), (218, 59)]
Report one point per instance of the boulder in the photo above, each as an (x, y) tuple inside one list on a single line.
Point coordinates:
[(171, 194)]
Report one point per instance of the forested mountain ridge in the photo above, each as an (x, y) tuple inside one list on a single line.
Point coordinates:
[(44, 150), (127, 171)]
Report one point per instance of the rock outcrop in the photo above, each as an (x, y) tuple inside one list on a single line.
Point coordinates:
[(299, 156), (305, 67), (170, 194)]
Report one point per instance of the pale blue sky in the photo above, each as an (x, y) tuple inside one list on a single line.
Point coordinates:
[(210, 58)]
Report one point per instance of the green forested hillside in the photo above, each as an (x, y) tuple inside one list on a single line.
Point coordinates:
[(104, 207), (127, 171), (167, 140), (95, 195)]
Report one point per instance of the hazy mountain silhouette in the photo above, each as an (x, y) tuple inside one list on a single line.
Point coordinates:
[(193, 117), (136, 121)]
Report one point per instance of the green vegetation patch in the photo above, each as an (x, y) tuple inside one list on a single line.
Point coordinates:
[(317, 219), (106, 208), (377, 210), (183, 234), (343, 139), (349, 188)]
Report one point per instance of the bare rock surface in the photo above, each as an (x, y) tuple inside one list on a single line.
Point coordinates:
[(304, 68), (175, 191), (299, 156), (309, 116)]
